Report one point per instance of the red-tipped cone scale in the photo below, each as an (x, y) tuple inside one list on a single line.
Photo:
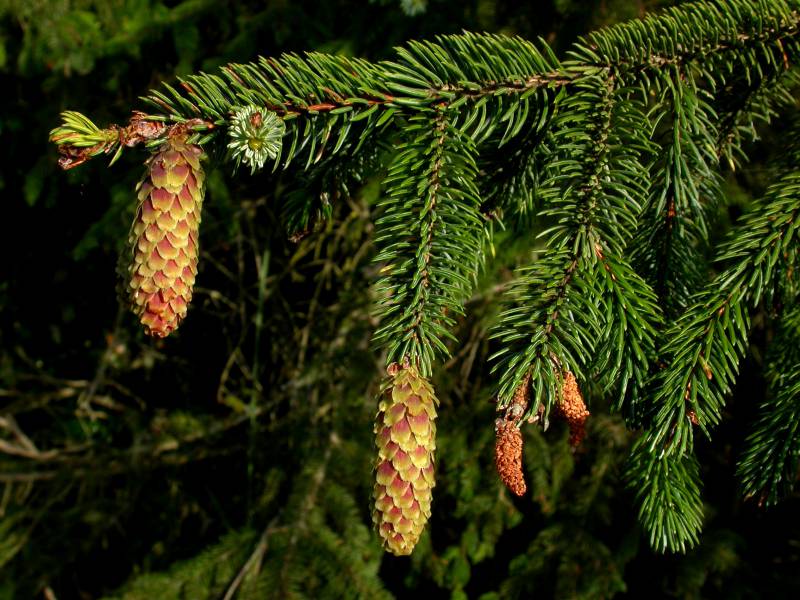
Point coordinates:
[(164, 236), (406, 440)]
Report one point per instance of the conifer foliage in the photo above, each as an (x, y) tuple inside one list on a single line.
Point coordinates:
[(618, 148)]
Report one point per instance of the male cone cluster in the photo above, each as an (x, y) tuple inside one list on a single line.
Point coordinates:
[(508, 442), (573, 409), (164, 236), (508, 456), (406, 440)]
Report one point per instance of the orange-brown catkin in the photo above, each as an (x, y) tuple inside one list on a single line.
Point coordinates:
[(164, 237), (573, 409), (508, 456), (508, 442)]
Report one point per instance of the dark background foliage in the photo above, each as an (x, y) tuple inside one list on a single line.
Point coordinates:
[(135, 468)]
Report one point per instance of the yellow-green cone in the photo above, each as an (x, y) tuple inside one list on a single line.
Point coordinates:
[(406, 440), (164, 236)]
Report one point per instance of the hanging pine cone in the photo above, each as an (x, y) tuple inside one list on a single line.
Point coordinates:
[(164, 237), (573, 409), (406, 440)]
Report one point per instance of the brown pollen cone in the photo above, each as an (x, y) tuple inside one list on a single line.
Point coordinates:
[(508, 442), (164, 236), (508, 456), (573, 409)]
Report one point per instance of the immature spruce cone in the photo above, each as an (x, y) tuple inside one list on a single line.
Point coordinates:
[(573, 409), (406, 440), (164, 236)]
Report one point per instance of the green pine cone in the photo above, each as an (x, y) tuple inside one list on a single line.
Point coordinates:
[(406, 440), (164, 237)]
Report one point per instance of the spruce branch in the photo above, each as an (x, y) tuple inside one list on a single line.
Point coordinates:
[(627, 346), (669, 245), (430, 239), (79, 139), (490, 79), (667, 490), (704, 346), (535, 347), (768, 468), (470, 66), (533, 344), (695, 33), (746, 103), (594, 192)]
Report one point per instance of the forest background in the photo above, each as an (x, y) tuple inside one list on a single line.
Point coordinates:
[(236, 456)]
